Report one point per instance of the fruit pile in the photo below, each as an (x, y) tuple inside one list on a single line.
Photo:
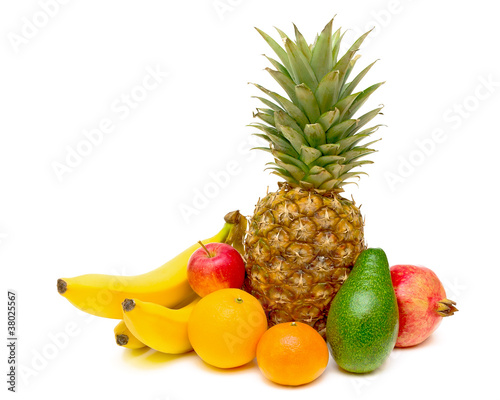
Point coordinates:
[(299, 280)]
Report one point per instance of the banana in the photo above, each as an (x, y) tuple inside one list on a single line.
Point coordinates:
[(102, 295), (161, 328), (125, 338)]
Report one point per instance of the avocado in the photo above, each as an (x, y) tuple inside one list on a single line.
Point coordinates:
[(362, 324)]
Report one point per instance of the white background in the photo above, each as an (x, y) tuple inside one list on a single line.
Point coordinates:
[(119, 209)]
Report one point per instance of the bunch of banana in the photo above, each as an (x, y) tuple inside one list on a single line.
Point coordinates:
[(162, 328), (154, 306)]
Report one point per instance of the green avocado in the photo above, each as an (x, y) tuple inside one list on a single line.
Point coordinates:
[(362, 325)]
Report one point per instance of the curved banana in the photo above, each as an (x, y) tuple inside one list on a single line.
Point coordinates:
[(125, 338), (161, 328), (102, 295)]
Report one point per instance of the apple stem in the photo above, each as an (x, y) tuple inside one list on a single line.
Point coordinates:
[(210, 255)]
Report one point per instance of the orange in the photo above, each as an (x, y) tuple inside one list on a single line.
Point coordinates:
[(292, 353), (225, 327)]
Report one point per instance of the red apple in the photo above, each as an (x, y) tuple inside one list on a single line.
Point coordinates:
[(215, 266)]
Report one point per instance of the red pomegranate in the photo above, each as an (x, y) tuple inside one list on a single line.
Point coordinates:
[(422, 303)]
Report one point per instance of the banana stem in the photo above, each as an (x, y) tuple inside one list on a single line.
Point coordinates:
[(62, 286), (128, 305), (237, 230), (121, 340)]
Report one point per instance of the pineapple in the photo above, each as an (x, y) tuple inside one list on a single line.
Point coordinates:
[(303, 239)]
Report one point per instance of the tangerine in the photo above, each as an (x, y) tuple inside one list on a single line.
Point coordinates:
[(292, 353)]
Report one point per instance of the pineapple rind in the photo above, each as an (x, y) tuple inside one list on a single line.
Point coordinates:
[(300, 248)]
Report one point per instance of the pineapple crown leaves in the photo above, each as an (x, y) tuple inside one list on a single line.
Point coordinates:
[(313, 134)]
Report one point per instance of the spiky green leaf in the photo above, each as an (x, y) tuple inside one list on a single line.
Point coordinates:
[(336, 40), (337, 132), (291, 169), (329, 149), (334, 169), (349, 142), (301, 43), (344, 104), (269, 103), (354, 164), (279, 143), (308, 102), (294, 111), (265, 117), (308, 155), (283, 173), (356, 153), (351, 175), (321, 60), (361, 99), (282, 118), (328, 119), (283, 146), (324, 161), (349, 88), (265, 128), (366, 132), (330, 184), (327, 92), (285, 82), (263, 136), (294, 137), (286, 159), (282, 34), (317, 176), (363, 120), (266, 149), (280, 52), (349, 69), (302, 71), (315, 135), (279, 67), (343, 64)]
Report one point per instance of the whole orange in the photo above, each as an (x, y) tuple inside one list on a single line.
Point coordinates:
[(225, 327), (292, 353)]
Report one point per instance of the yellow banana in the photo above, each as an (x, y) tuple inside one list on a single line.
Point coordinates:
[(161, 328), (167, 285), (125, 338)]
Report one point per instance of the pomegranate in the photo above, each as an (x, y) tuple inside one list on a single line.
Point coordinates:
[(422, 303)]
